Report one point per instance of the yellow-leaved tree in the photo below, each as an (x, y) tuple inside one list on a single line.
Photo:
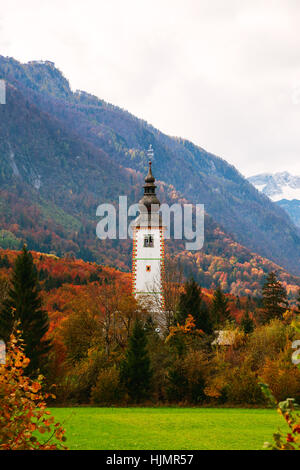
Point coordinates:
[(290, 411)]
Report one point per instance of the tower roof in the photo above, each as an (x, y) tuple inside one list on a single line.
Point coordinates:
[(150, 178), (149, 198)]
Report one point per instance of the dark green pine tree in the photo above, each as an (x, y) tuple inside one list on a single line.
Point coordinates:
[(24, 305), (247, 324), (191, 303), (220, 309), (274, 298), (204, 321), (135, 373), (298, 304)]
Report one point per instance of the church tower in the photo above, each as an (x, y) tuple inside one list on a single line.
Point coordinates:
[(148, 246)]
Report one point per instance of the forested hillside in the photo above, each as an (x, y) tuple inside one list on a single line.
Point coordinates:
[(67, 281), (63, 153)]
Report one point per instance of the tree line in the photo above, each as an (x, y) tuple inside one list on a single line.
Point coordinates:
[(111, 350)]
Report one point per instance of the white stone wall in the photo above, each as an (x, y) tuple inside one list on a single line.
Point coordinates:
[(147, 281)]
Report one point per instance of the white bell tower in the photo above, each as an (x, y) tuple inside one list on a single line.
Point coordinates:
[(148, 246)]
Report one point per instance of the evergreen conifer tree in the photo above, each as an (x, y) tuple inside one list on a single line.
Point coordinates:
[(220, 309), (249, 304), (191, 303), (24, 304), (135, 373), (274, 298)]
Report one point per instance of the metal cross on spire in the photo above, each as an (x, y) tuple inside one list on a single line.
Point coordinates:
[(150, 153)]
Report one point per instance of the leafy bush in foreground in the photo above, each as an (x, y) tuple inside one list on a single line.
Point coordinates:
[(288, 410), (23, 414)]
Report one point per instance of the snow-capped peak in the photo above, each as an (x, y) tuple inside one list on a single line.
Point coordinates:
[(277, 186)]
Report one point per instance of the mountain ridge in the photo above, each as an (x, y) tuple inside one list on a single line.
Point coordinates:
[(277, 186)]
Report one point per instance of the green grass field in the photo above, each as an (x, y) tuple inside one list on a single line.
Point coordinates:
[(167, 428)]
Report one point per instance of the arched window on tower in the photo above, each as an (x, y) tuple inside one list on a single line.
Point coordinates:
[(148, 241)]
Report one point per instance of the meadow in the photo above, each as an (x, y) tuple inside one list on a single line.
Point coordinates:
[(167, 428)]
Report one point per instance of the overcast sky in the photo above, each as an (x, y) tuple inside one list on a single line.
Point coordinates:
[(222, 73)]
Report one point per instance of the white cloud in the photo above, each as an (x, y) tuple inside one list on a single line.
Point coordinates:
[(223, 73)]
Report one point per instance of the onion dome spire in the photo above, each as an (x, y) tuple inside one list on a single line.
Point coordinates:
[(150, 197), (150, 178)]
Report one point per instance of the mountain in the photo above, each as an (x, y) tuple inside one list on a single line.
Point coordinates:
[(62, 153), (283, 188), (278, 186)]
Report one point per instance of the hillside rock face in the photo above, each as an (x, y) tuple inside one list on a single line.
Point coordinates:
[(292, 208), (62, 153)]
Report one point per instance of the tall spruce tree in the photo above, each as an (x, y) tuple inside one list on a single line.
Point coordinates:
[(135, 373), (274, 298), (220, 309), (191, 303), (24, 304)]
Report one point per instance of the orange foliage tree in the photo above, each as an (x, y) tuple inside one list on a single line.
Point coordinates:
[(23, 414)]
